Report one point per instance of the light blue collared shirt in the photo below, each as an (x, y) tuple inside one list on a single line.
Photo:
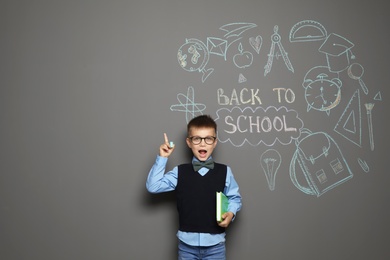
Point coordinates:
[(158, 181)]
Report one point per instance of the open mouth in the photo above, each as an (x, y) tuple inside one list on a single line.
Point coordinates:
[(202, 152)]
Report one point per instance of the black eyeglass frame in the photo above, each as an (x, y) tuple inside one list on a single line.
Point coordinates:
[(209, 138)]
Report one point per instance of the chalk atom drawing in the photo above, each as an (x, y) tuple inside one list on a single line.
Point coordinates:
[(187, 104)]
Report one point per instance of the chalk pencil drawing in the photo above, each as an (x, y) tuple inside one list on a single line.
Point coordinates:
[(369, 107)]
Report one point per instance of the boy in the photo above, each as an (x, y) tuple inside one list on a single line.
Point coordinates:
[(200, 235)]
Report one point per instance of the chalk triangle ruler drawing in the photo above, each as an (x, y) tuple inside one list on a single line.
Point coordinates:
[(350, 122)]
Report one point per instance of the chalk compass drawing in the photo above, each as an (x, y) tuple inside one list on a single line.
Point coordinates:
[(270, 161), (321, 162), (187, 104), (322, 92), (276, 40), (349, 124), (307, 30)]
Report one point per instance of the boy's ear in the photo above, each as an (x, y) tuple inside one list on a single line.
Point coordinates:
[(188, 142)]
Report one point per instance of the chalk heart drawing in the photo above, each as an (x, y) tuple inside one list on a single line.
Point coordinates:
[(259, 125), (256, 43)]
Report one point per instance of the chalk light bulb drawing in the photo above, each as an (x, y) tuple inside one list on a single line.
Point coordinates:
[(270, 161)]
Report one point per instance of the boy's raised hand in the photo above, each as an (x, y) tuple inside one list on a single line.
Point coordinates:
[(166, 149)]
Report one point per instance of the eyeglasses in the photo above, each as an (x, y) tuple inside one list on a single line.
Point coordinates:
[(198, 139)]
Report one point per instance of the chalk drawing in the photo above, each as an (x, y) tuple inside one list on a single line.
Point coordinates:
[(321, 162), (242, 59), (378, 96), (258, 125), (369, 107), (363, 164), (193, 55), (350, 122), (276, 38), (322, 89), (236, 29), (307, 30), (256, 43), (338, 52), (356, 71), (270, 161), (187, 104), (241, 78)]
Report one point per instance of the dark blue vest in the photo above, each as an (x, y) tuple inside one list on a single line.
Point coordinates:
[(196, 199)]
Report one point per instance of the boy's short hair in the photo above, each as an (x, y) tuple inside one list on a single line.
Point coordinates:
[(200, 122)]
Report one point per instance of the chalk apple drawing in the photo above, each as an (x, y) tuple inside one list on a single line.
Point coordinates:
[(243, 59)]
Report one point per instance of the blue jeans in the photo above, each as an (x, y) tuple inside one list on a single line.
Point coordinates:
[(216, 252)]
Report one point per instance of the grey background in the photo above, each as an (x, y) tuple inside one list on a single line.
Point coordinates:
[(85, 95)]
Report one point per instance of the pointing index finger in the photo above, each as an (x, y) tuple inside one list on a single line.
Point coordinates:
[(166, 138)]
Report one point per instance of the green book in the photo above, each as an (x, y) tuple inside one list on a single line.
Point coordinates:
[(222, 205)]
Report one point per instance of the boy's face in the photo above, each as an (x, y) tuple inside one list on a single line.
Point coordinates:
[(201, 151)]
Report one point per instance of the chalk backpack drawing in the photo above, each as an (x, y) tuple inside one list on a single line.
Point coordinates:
[(321, 163)]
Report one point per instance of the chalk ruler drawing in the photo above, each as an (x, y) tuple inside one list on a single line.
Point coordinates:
[(350, 122)]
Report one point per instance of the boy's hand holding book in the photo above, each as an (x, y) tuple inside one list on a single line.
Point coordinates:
[(227, 218)]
